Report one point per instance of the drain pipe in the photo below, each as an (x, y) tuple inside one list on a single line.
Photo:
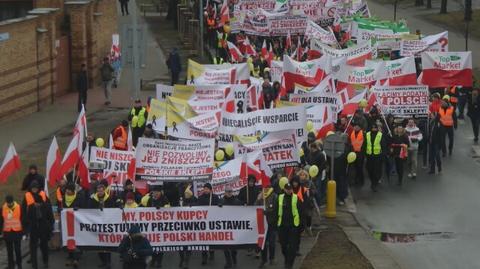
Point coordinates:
[(40, 31)]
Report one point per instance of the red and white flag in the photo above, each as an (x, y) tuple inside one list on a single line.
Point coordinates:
[(110, 141), (264, 49), (306, 74), (350, 105), (288, 41), (129, 139), (72, 155), (249, 50), (446, 69), (10, 164), (299, 50), (54, 163), (83, 172), (235, 53), (224, 13)]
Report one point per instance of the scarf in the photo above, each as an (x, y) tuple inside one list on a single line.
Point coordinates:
[(70, 198), (105, 197), (133, 205), (267, 192)]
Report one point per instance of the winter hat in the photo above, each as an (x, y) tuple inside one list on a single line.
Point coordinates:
[(208, 186), (134, 230), (33, 166), (9, 199), (70, 187)]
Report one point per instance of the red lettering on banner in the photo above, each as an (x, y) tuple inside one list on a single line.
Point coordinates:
[(216, 236)]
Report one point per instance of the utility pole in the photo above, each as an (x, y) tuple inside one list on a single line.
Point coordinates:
[(395, 10), (136, 56), (202, 37), (467, 18)]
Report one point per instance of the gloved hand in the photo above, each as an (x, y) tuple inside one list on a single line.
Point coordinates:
[(220, 205), (75, 208), (24, 238)]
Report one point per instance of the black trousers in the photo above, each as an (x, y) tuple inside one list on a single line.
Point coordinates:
[(230, 257), (475, 126), (36, 240), (269, 247), (124, 6), (399, 164), (447, 131), (289, 240), (134, 265), (185, 258), (14, 245), (435, 158), (157, 258), (374, 168), (137, 132), (358, 165), (175, 77), (82, 100), (105, 258)]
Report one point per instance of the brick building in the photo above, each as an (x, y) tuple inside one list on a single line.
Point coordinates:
[(42, 51)]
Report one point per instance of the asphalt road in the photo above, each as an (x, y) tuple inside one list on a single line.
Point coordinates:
[(447, 203)]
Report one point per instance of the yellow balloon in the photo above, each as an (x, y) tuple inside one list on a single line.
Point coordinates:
[(219, 155), (282, 182), (351, 157), (313, 171), (134, 121), (300, 152), (309, 126), (100, 142), (229, 149), (363, 103), (226, 28)]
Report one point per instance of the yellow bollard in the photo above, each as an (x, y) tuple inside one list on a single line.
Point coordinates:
[(331, 199)]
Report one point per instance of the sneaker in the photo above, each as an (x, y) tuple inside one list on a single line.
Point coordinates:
[(341, 203), (414, 176), (409, 175)]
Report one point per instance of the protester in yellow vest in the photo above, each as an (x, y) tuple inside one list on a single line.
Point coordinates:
[(375, 148), (11, 227), (288, 224), (138, 117)]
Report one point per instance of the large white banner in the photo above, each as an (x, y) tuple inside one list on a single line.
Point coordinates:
[(174, 160), (116, 163), (225, 174), (267, 120), (167, 229), (315, 31), (403, 100)]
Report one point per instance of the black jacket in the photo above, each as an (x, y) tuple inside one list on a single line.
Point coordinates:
[(173, 63), (135, 249), (473, 106), (29, 178), (252, 195), (38, 217), (157, 203), (287, 217), (435, 138), (396, 140), (204, 199), (230, 201), (79, 201), (82, 81)]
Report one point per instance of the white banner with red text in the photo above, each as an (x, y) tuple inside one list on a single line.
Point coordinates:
[(402, 101)]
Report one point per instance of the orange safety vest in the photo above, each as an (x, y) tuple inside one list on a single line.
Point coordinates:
[(211, 22), (357, 142), (12, 219), (451, 92), (120, 142), (446, 116), (30, 200), (300, 192)]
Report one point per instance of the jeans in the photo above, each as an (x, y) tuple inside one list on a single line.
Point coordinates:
[(269, 247), (412, 160), (107, 90), (230, 257), (447, 131)]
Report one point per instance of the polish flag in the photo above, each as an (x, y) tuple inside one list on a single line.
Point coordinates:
[(224, 13), (110, 141), (249, 50), (446, 69), (72, 155), (299, 50), (129, 139), (264, 49), (328, 123), (288, 41), (229, 104), (235, 53), (54, 163), (307, 74), (83, 172), (350, 105), (265, 172), (10, 164)]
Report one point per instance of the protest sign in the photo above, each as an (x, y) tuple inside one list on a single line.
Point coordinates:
[(356, 55), (279, 148), (365, 75), (225, 174), (163, 91), (402, 101), (276, 70), (156, 115), (313, 30), (400, 72), (116, 164), (446, 69), (432, 43), (205, 106), (268, 120), (174, 160), (281, 25), (168, 229), (197, 72), (307, 74), (200, 127)]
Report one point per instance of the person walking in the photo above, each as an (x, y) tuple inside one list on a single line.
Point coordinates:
[(474, 112), (448, 121), (230, 253), (207, 198), (100, 200), (82, 87), (124, 7), (138, 117), (375, 150), (268, 198), (134, 249), (175, 65), (106, 73), (12, 230), (414, 138), (288, 224), (38, 222), (72, 199), (435, 144), (399, 151), (357, 143)]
